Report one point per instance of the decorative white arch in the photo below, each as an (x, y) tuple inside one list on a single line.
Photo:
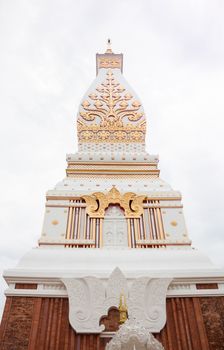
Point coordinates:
[(90, 298), (133, 336)]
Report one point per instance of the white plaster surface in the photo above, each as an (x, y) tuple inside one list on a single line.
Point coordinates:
[(45, 262), (55, 221), (83, 185), (174, 223)]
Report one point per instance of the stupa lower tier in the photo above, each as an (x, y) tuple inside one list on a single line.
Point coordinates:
[(42, 323), (68, 298), (113, 198)]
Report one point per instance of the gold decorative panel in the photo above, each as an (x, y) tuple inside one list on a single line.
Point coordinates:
[(117, 176), (111, 114), (109, 61), (99, 201)]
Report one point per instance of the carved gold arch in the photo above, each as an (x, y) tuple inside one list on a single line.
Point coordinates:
[(99, 201)]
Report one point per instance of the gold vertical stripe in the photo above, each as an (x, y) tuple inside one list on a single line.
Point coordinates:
[(84, 223), (97, 233), (140, 222), (90, 228), (133, 234), (68, 223), (129, 233), (93, 229), (101, 233), (71, 236), (139, 229), (147, 216), (160, 224), (136, 233), (151, 224), (79, 212), (162, 227), (75, 223), (70, 231), (156, 223), (87, 226), (144, 226)]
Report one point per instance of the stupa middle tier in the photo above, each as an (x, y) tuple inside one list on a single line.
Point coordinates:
[(122, 160), (113, 198)]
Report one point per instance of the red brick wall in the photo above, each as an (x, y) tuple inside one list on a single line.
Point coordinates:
[(185, 326), (213, 315), (42, 323), (16, 323), (26, 286)]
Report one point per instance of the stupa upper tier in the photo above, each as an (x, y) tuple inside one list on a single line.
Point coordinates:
[(110, 111)]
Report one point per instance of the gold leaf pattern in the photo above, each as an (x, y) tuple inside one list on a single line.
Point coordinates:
[(111, 115)]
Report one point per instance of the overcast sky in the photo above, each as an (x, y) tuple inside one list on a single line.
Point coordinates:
[(173, 58)]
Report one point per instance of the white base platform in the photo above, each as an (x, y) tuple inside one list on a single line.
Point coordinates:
[(78, 262)]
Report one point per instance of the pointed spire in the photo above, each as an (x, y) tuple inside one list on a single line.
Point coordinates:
[(109, 49)]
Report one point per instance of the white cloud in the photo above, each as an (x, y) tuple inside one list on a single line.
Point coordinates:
[(174, 56)]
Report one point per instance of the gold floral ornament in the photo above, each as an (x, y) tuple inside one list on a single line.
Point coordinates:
[(111, 115), (99, 201)]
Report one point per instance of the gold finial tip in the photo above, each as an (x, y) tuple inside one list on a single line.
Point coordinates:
[(123, 310), (109, 50)]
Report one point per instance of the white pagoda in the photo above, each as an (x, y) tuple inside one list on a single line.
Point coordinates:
[(114, 267)]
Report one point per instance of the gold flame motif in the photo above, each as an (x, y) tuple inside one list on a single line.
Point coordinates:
[(123, 310), (99, 201), (111, 115)]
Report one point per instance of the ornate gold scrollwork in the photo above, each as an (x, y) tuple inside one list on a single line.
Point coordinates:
[(99, 201), (111, 114)]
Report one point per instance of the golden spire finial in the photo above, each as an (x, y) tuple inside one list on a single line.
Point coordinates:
[(123, 310), (109, 50)]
